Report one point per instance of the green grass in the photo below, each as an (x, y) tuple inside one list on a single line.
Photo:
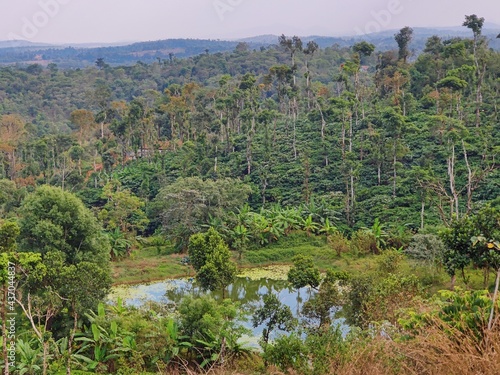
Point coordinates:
[(146, 265)]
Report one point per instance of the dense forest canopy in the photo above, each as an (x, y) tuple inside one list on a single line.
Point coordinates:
[(369, 133)]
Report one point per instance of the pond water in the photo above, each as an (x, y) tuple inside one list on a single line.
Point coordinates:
[(248, 289)]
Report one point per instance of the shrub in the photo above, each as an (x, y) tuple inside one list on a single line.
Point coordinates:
[(389, 261), (427, 248), (363, 243), (339, 243), (287, 353)]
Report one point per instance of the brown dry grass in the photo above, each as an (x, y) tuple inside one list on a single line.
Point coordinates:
[(439, 350), (437, 353)]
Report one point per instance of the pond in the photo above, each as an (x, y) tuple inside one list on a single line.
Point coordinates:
[(248, 289)]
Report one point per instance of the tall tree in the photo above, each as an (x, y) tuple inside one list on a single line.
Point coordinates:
[(475, 23), (403, 39)]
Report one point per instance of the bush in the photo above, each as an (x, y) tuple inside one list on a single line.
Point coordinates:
[(427, 248), (339, 243), (287, 353), (389, 261), (363, 243)]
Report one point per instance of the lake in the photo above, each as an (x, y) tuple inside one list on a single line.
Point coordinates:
[(248, 289)]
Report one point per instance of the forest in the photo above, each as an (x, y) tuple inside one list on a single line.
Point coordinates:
[(372, 175)]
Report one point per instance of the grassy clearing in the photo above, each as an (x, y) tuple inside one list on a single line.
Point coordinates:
[(146, 265)]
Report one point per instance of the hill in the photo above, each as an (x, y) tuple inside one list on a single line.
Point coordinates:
[(81, 55)]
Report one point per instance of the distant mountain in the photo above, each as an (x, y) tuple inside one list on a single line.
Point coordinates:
[(80, 55), (491, 26), (261, 39), (21, 44), (384, 40)]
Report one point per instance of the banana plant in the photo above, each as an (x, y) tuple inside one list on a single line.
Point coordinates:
[(175, 342), (120, 246), (76, 359), (309, 225), (378, 232), (104, 345), (328, 229), (30, 357), (241, 237), (119, 308)]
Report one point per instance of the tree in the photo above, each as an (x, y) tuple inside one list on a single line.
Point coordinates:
[(100, 63), (395, 123), (275, 315), (403, 39), (9, 231), (84, 122), (319, 307), (474, 23), (123, 209), (241, 237), (292, 45), (55, 220), (11, 132), (304, 273), (188, 204), (364, 48), (212, 327), (211, 258), (471, 240), (74, 273)]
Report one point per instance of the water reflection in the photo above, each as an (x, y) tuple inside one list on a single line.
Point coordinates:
[(247, 291)]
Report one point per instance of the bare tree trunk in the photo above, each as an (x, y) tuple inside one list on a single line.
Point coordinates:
[(451, 176), (379, 172), (469, 180), (495, 296), (294, 127), (394, 161), (249, 147), (422, 215), (70, 343)]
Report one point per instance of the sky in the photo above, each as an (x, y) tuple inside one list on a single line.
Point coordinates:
[(110, 21)]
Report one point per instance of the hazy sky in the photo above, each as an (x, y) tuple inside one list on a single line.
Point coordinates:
[(80, 21)]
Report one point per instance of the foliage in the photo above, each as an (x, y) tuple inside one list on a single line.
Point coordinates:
[(303, 273), (123, 210), (287, 353), (55, 220), (389, 261), (211, 328), (331, 295), (275, 315), (370, 301), (210, 257), (427, 248), (188, 204), (275, 153)]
